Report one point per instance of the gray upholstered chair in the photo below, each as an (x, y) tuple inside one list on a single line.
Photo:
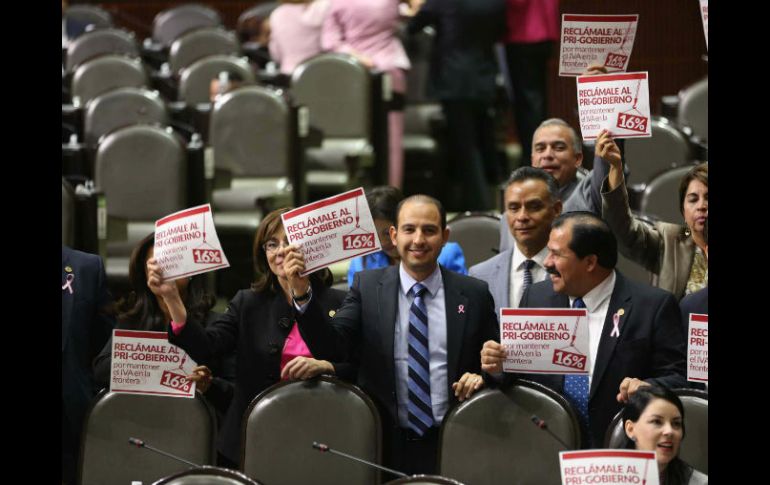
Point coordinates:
[(183, 427), (207, 475), (282, 423), (98, 43), (693, 114), (122, 107), (491, 436), (86, 17), (648, 157), (200, 43), (661, 196), (103, 74), (424, 480), (477, 234), (694, 448), (195, 79), (67, 214), (172, 23)]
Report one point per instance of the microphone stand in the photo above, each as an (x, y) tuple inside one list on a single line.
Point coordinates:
[(141, 444), (324, 449)]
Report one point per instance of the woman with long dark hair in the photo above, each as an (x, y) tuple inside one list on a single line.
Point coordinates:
[(654, 421), (260, 323)]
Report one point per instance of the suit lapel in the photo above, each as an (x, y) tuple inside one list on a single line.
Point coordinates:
[(455, 324), (683, 259), (387, 306), (504, 280), (66, 302), (621, 298)]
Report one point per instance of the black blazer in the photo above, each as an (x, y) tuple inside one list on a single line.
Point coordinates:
[(256, 324), (651, 345), (86, 323), (366, 323)]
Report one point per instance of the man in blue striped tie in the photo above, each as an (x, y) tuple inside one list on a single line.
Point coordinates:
[(418, 329)]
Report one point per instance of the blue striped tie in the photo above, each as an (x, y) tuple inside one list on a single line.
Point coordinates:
[(576, 388), (528, 264), (418, 381)]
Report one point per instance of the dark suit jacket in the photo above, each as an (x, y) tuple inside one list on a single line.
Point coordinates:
[(256, 324), (651, 345), (367, 320), (86, 325)]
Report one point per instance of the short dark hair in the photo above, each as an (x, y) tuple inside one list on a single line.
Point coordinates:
[(699, 172), (383, 202), (427, 199), (522, 174), (591, 235)]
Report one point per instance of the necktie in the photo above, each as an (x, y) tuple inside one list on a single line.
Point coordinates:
[(528, 265), (576, 388), (418, 381)]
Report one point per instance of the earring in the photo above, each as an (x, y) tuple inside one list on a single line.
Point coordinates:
[(687, 231)]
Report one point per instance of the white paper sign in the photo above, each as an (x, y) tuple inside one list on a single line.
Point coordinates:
[(704, 13), (619, 103), (332, 230), (605, 40), (146, 363), (545, 340), (608, 467), (186, 243), (698, 348)]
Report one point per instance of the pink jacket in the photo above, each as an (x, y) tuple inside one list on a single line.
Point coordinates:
[(295, 32), (367, 27)]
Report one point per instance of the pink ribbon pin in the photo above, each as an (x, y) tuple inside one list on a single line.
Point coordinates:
[(68, 284), (615, 326), (460, 308)]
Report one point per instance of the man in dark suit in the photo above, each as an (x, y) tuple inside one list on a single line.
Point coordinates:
[(635, 335), (86, 324), (418, 329)]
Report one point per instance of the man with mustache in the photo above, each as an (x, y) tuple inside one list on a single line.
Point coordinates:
[(635, 333), (418, 329), (531, 204)]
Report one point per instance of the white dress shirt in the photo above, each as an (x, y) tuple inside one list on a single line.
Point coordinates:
[(597, 302), (516, 278)]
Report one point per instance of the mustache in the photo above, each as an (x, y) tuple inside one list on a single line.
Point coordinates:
[(552, 270)]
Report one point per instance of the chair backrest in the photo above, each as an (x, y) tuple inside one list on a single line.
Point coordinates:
[(250, 132), (195, 80), (337, 90), (694, 108), (478, 235), (103, 74), (122, 107), (424, 480), (200, 43), (694, 447), (170, 24), (98, 43), (67, 214), (661, 196), (282, 423), (250, 21), (647, 157), (207, 475), (142, 171), (85, 16), (491, 436), (183, 427)]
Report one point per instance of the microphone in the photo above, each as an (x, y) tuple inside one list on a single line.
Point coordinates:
[(141, 444), (540, 423), (325, 448)]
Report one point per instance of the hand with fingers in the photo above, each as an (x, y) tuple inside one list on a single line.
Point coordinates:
[(492, 357), (608, 150), (293, 266), (628, 387), (467, 385), (202, 377), (305, 368)]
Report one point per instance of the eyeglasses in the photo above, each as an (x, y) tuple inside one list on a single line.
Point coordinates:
[(272, 245)]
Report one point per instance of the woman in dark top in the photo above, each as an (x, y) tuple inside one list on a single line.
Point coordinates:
[(143, 309), (260, 323)]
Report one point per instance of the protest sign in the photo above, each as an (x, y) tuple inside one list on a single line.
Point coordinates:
[(146, 363), (332, 230), (186, 243), (619, 103), (545, 341), (698, 348), (608, 467), (704, 13), (605, 40)]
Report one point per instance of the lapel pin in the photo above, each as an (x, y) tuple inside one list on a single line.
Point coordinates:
[(460, 308), (68, 283), (332, 313), (68, 269)]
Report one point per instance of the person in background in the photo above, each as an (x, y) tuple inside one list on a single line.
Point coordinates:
[(383, 202), (296, 32), (653, 420), (223, 83)]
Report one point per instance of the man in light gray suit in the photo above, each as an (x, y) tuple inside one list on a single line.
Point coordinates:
[(531, 204)]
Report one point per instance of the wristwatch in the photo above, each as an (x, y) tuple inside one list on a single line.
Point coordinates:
[(302, 298)]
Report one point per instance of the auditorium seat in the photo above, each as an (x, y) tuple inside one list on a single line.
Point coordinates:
[(170, 24), (98, 43), (207, 475), (425, 480), (122, 107), (694, 110), (661, 196), (103, 74), (86, 17), (478, 234), (195, 80), (648, 157), (200, 43), (283, 421)]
